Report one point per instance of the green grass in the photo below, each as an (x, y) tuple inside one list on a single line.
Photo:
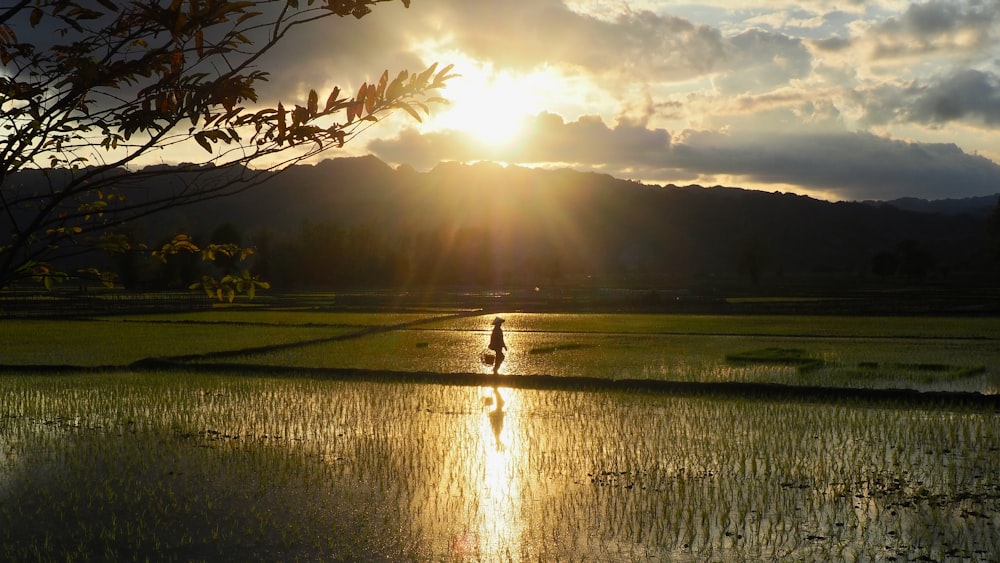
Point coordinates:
[(99, 343), (681, 357), (834, 350), (283, 317), (759, 325)]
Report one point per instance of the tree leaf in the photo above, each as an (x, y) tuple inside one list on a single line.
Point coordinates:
[(370, 99), (332, 100), (406, 107), (200, 137), (362, 93), (380, 91), (313, 105), (281, 122), (443, 74)]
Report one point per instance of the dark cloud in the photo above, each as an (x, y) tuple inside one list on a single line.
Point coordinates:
[(832, 44), (342, 51), (853, 166), (938, 25), (968, 95), (548, 139), (933, 18)]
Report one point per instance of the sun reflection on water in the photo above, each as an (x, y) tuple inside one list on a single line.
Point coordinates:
[(494, 477)]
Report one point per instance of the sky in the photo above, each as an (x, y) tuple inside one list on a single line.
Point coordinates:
[(836, 99)]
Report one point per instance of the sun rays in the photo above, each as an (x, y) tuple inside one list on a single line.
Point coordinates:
[(491, 106)]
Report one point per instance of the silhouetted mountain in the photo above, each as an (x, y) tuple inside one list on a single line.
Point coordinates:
[(590, 224), (979, 206), (358, 221)]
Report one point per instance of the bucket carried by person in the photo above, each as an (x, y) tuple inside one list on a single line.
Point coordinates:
[(487, 356)]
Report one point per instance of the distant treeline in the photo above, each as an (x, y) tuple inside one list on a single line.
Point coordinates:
[(358, 222)]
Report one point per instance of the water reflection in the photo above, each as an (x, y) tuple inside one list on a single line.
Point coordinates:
[(495, 476), (448, 473), (496, 418)]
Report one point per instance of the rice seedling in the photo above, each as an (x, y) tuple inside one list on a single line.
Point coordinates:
[(682, 357), (186, 466), (755, 325), (780, 356), (180, 467)]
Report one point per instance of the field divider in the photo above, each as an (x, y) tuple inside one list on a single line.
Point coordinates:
[(935, 400), (362, 332), (734, 390)]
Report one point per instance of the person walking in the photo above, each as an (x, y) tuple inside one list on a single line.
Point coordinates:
[(497, 344)]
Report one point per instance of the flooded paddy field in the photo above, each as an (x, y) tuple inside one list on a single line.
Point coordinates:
[(169, 466), (937, 354), (252, 446)]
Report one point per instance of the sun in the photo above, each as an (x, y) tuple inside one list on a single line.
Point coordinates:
[(486, 107), (492, 106)]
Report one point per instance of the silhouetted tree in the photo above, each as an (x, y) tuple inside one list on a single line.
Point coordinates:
[(915, 261), (885, 264), (88, 88)]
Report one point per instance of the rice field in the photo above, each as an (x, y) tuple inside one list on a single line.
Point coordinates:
[(937, 354), (123, 463)]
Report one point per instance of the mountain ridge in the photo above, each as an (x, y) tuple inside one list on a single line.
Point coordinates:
[(590, 223), (358, 221)]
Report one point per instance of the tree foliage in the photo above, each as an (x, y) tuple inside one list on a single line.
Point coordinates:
[(90, 88)]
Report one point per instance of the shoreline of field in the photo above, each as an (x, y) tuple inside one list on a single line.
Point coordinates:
[(715, 389)]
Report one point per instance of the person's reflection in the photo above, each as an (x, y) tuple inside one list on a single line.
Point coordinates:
[(496, 418)]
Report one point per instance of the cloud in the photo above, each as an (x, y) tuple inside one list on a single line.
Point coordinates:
[(761, 61), (851, 166), (760, 92), (341, 51), (524, 35), (967, 95), (941, 26), (548, 139), (832, 44)]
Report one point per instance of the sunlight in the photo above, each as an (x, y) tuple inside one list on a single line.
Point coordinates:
[(500, 504), (492, 105), (480, 478)]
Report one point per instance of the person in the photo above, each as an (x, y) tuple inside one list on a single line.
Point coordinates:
[(497, 344)]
